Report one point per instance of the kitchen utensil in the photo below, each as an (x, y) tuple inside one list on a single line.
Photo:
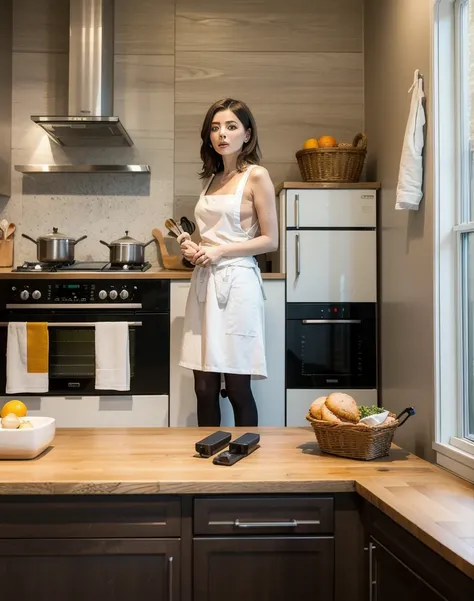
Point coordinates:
[(10, 230), (173, 227), (55, 247), (169, 261), (187, 225), (127, 250), (4, 227)]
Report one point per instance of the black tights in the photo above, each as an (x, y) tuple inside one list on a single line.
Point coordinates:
[(207, 386)]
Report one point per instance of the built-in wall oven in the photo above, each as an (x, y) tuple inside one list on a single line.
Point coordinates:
[(71, 308), (331, 345)]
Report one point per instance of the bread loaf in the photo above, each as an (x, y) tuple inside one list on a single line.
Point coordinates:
[(343, 406), (315, 407)]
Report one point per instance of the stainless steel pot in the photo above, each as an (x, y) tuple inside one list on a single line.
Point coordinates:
[(55, 247), (126, 250)]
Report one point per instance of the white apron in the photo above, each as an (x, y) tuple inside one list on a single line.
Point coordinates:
[(224, 318)]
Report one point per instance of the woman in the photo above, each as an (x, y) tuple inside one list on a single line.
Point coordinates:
[(236, 217)]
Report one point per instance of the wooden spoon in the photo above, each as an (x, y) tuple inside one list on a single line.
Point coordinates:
[(169, 261), (10, 230)]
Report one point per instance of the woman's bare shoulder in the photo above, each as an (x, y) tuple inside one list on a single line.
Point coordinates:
[(259, 175)]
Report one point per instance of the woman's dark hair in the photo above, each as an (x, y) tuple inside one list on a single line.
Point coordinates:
[(250, 154)]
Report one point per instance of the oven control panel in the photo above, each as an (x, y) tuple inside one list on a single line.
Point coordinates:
[(131, 294)]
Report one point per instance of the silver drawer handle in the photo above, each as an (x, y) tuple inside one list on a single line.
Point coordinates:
[(170, 578), (74, 324), (289, 524), (316, 321)]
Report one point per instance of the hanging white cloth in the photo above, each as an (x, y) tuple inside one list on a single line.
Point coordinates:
[(410, 176)]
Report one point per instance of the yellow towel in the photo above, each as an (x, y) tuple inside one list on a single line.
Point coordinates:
[(37, 347)]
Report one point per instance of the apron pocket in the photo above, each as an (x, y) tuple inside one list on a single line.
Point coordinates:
[(242, 310)]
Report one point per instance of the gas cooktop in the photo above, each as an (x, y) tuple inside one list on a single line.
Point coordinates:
[(79, 266)]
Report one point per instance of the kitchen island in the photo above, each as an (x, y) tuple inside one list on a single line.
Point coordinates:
[(134, 513)]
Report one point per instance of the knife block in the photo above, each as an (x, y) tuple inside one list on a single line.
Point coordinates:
[(6, 253)]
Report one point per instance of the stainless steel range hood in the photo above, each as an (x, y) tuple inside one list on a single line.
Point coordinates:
[(90, 120)]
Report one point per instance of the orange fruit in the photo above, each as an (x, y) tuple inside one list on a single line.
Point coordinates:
[(16, 407), (327, 142), (310, 143)]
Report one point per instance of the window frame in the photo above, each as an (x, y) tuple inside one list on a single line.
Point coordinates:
[(451, 173)]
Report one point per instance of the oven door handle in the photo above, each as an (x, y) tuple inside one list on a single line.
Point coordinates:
[(75, 324), (318, 321)]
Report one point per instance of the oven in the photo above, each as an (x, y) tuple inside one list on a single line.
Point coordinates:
[(71, 309), (331, 345)]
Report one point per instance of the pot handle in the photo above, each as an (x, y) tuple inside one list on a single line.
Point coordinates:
[(30, 238), (79, 239), (149, 242), (105, 243)]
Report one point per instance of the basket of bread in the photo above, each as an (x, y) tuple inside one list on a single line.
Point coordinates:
[(344, 428)]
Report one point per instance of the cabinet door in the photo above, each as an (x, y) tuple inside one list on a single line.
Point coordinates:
[(182, 396), (392, 580), (276, 568), (330, 208), (90, 569), (330, 266)]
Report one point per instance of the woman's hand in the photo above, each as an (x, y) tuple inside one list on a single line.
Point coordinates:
[(207, 255), (189, 249)]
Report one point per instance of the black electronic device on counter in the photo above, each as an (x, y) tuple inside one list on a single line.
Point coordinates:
[(213, 443), (238, 449), (245, 444)]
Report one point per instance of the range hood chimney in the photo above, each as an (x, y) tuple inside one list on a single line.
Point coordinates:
[(91, 81)]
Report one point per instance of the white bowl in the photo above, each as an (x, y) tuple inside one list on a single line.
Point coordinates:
[(28, 442)]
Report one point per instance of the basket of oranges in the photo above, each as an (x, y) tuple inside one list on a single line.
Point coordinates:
[(325, 160)]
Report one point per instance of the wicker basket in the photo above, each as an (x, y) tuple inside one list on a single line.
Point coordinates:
[(354, 441), (341, 164)]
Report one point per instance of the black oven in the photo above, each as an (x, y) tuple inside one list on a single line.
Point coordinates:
[(331, 345), (72, 308)]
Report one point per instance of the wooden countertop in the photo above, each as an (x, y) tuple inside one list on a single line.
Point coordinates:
[(154, 273), (325, 186), (435, 506)]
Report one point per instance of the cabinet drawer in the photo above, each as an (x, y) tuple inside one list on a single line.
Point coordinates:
[(90, 517), (263, 515)]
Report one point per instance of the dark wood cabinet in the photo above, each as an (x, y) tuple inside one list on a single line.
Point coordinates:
[(264, 567), (391, 580), (92, 569), (401, 568), (331, 547)]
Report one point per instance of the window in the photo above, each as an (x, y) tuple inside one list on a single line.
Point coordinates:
[(454, 237)]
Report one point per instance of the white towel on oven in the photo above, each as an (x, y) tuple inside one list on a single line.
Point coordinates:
[(18, 378), (112, 355)]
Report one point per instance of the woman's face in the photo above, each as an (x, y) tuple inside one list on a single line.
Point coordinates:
[(228, 133)]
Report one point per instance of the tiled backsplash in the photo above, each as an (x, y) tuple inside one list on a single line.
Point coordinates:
[(302, 78)]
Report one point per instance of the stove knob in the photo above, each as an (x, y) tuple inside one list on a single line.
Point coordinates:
[(113, 294), (102, 294), (124, 294), (24, 295), (36, 294)]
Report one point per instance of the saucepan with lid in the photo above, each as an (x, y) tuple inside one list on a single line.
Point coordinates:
[(55, 247), (127, 250)]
